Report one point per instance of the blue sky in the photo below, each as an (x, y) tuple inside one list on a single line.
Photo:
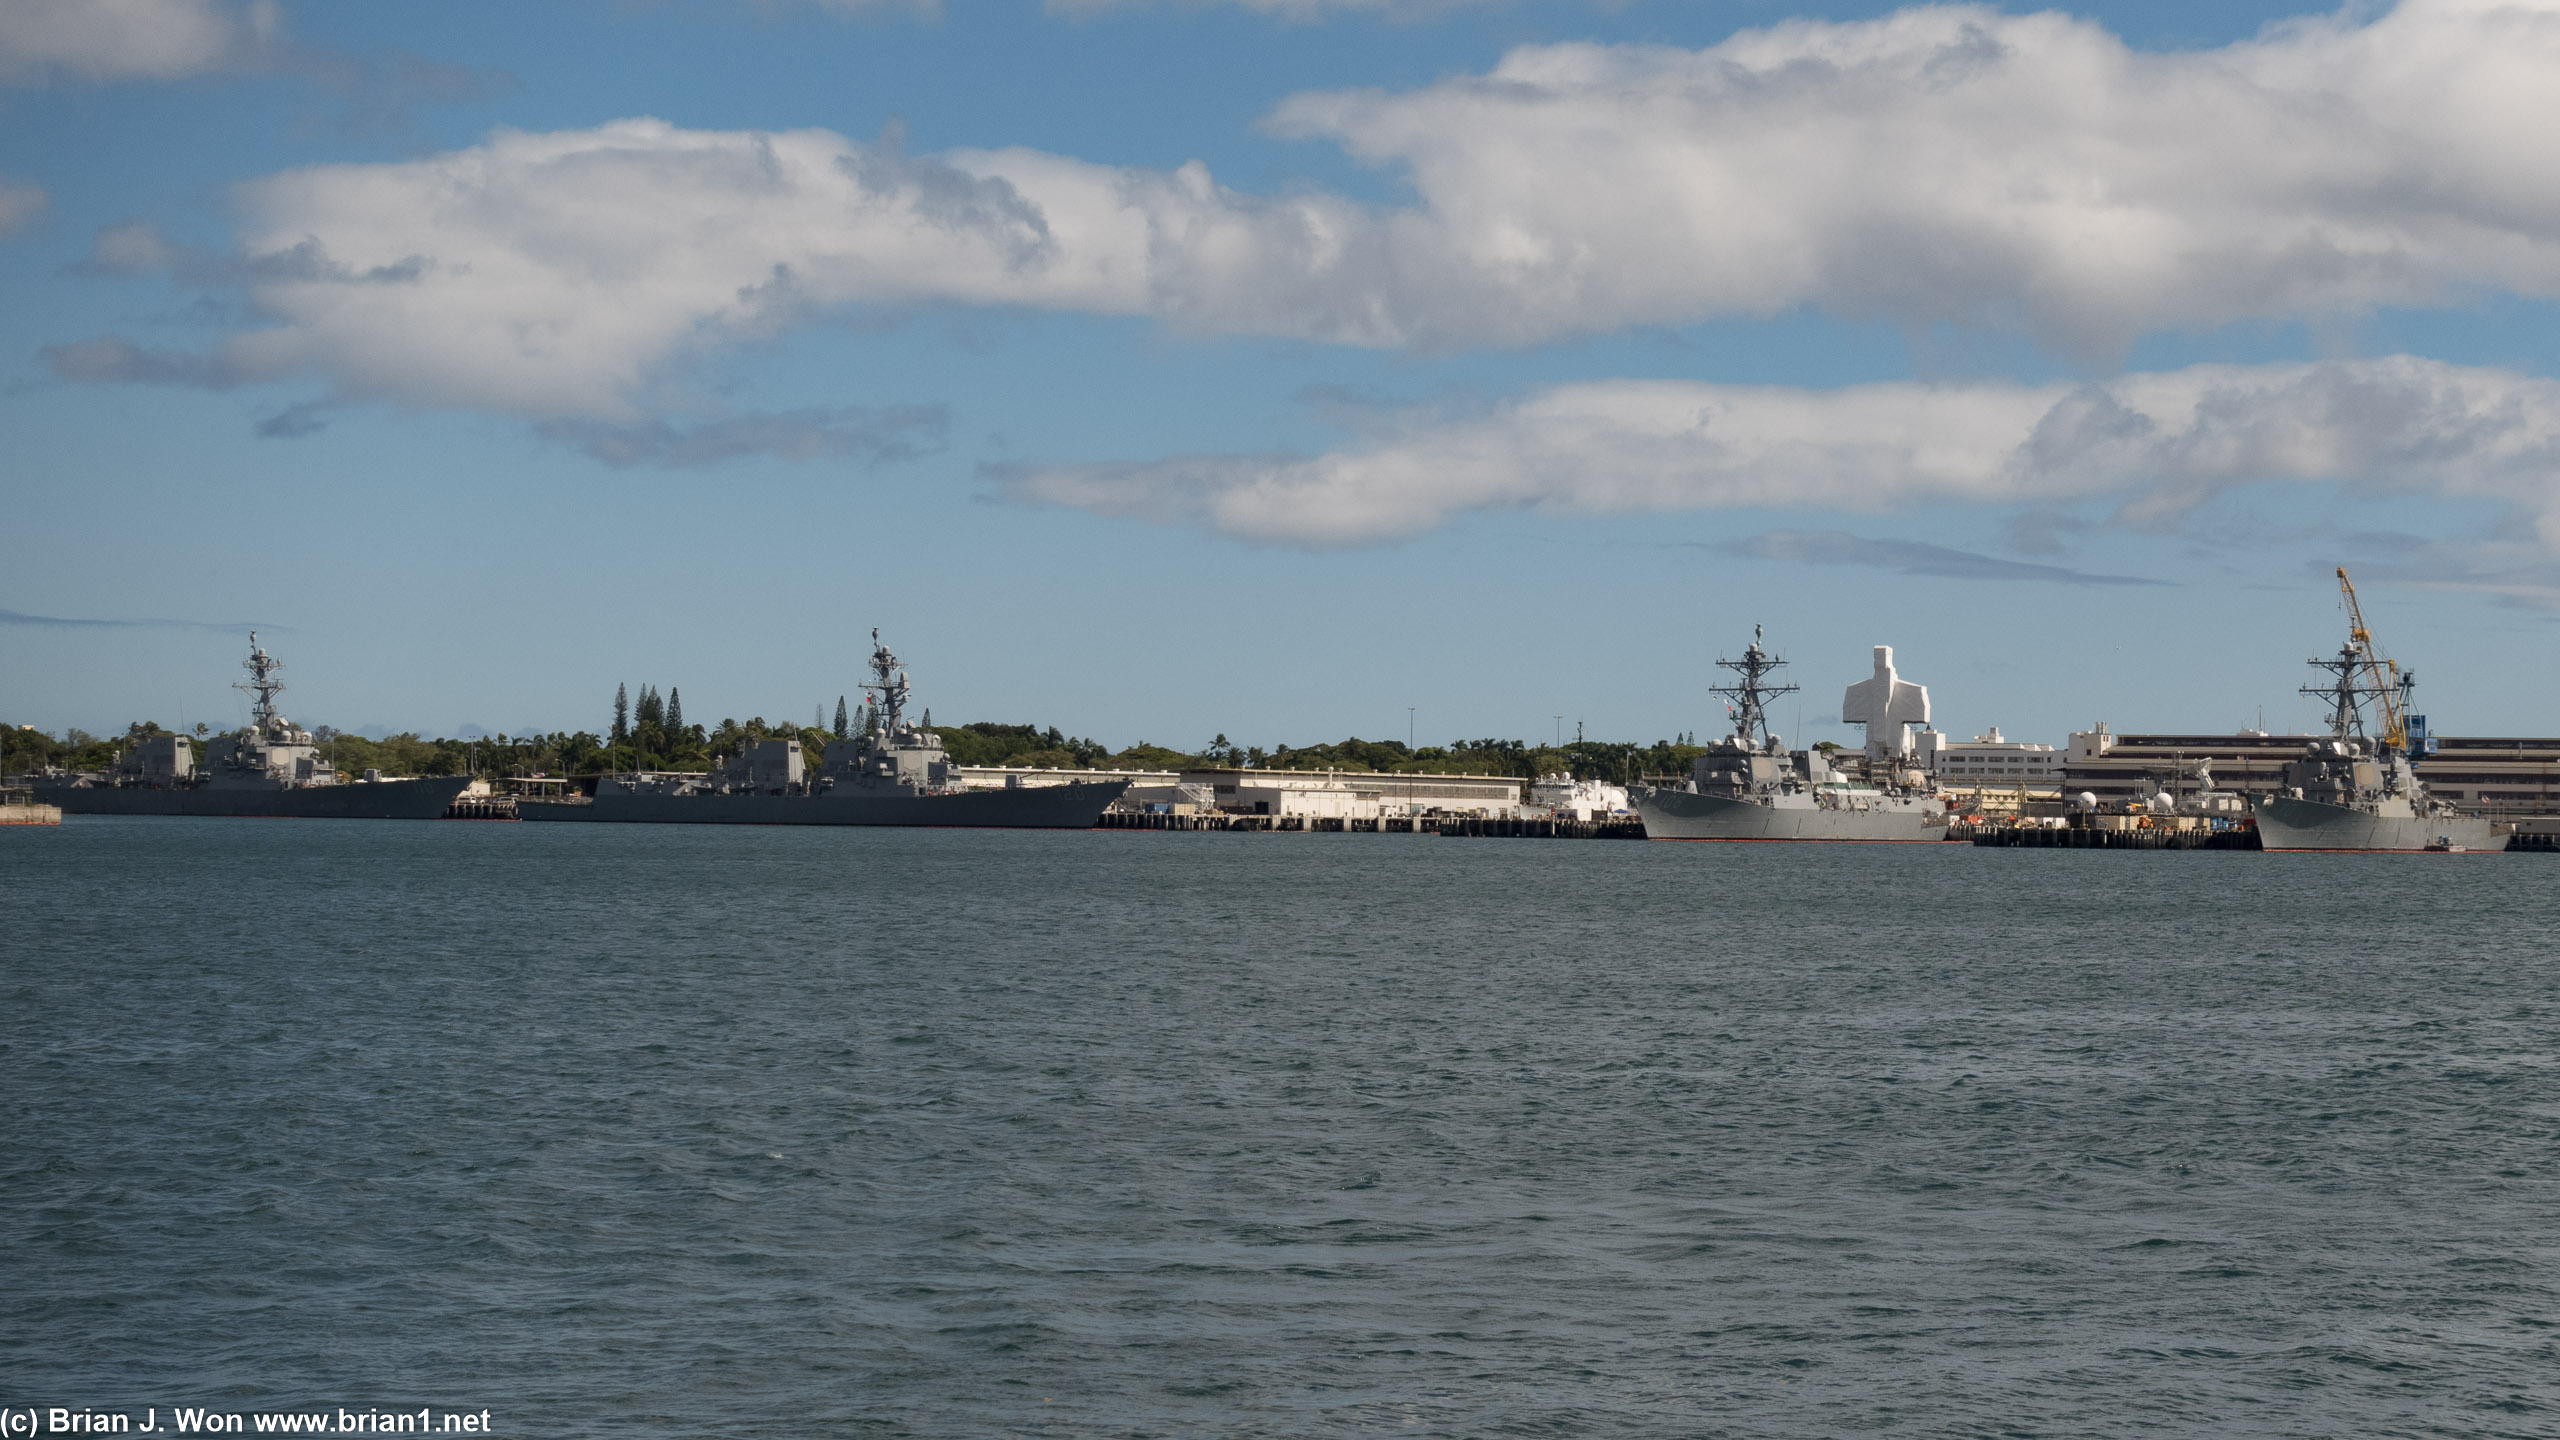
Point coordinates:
[(1157, 370)]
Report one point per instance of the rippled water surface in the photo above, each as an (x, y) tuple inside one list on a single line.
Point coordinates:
[(796, 1132)]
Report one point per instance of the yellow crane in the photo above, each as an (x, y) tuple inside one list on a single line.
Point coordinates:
[(2382, 672)]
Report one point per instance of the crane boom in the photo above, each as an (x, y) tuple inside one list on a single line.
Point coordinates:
[(2381, 672)]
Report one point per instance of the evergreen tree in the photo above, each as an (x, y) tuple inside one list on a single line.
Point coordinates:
[(843, 731), (621, 714), (652, 710), (675, 711)]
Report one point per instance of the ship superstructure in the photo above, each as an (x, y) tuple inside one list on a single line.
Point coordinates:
[(273, 752), (271, 768), (890, 756), (1750, 786), (895, 772), (2355, 790)]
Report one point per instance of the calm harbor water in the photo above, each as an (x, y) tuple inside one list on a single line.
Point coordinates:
[(623, 1131)]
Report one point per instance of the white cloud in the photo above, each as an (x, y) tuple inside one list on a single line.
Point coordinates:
[(1956, 164), (555, 275), (131, 39), (2158, 443), (19, 204), (1938, 164)]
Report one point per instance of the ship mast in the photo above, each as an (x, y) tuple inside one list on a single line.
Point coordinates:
[(888, 687), (2361, 673), (1750, 698), (2391, 693), (262, 686)]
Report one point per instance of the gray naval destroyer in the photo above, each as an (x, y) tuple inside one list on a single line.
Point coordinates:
[(892, 774), (2355, 790), (273, 768), (1749, 786)]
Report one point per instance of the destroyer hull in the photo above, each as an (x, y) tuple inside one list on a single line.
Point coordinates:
[(375, 800), (2287, 824), (1048, 807), (1679, 815)]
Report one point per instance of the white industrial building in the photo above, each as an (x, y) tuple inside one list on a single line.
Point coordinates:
[(1989, 760), (1351, 794)]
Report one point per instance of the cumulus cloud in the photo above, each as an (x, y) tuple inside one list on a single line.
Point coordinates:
[(19, 204), (1956, 164), (2159, 444), (1945, 164), (43, 40), (554, 276)]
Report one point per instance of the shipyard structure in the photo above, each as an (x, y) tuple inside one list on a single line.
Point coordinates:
[(2378, 778), (2365, 784), (2503, 777)]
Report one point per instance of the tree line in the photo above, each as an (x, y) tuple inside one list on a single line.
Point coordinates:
[(650, 732)]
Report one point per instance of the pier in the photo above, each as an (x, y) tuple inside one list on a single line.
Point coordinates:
[(2043, 837), (18, 806), (1276, 824), (1449, 826), (1544, 829), (482, 807)]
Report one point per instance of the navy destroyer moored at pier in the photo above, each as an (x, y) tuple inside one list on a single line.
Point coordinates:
[(272, 769), (2355, 790), (893, 773), (1749, 786)]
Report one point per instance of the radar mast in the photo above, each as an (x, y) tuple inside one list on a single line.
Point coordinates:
[(2360, 674), (1749, 697), (262, 685), (888, 687)]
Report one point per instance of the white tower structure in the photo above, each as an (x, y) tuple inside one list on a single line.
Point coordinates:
[(1888, 706)]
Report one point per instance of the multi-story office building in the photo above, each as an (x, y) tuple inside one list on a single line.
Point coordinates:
[(1988, 761)]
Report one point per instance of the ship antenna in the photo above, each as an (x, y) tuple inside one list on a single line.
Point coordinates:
[(262, 686), (2360, 674), (1749, 695), (888, 682)]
